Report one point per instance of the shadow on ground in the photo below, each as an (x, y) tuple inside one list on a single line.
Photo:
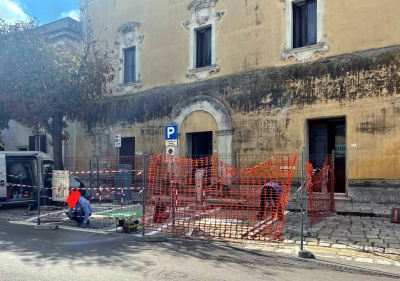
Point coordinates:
[(44, 247)]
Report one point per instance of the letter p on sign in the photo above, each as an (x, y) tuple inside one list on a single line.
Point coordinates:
[(171, 132)]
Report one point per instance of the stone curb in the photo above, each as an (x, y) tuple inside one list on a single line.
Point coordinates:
[(54, 227), (318, 251), (45, 227)]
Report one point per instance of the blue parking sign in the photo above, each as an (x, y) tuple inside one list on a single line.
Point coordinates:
[(171, 132)]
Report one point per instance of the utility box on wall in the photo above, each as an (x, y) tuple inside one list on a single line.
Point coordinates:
[(123, 179)]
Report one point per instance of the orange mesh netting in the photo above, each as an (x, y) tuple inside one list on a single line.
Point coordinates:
[(320, 189), (211, 198)]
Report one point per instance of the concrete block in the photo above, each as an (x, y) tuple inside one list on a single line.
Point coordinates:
[(153, 238), (45, 227), (304, 253)]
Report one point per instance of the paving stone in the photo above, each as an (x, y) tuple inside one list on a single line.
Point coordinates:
[(324, 244), (394, 246), (323, 237), (346, 258), (359, 239), (364, 243), (391, 241), (392, 251), (384, 261), (339, 246), (380, 245), (355, 247), (311, 239), (375, 240), (288, 241), (285, 251), (357, 235), (362, 259), (341, 235), (374, 249)]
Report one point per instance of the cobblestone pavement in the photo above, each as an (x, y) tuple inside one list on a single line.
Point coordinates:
[(365, 208), (357, 231)]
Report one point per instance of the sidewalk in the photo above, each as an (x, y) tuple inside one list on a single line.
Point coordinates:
[(357, 231)]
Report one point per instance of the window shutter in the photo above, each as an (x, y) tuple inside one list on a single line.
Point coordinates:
[(199, 55), (208, 42), (296, 26), (31, 143), (43, 143), (312, 23)]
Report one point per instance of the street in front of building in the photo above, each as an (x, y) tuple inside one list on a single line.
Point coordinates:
[(29, 254)]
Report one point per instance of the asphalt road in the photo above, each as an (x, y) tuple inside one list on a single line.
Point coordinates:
[(28, 254)]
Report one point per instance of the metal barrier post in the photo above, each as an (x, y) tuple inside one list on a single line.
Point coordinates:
[(144, 192), (97, 167), (303, 253), (302, 202), (306, 193), (333, 178), (90, 175), (38, 184)]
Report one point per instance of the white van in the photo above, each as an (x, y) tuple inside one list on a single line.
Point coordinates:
[(23, 173)]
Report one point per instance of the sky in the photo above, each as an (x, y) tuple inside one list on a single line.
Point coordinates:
[(45, 11)]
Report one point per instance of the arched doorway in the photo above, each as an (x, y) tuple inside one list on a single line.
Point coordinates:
[(207, 115)]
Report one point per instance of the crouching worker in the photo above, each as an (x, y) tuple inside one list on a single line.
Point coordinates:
[(79, 209), (160, 212), (271, 191)]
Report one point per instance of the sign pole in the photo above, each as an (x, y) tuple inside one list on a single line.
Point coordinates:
[(117, 144)]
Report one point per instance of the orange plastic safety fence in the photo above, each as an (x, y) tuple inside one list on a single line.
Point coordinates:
[(320, 189), (210, 198)]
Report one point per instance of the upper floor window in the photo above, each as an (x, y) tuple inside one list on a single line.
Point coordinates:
[(304, 23), (203, 47), (130, 65), (129, 57), (305, 33)]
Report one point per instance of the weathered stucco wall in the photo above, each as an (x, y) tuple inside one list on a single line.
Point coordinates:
[(250, 36), (270, 108)]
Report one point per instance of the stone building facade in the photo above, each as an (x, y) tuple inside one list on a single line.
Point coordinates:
[(251, 77)]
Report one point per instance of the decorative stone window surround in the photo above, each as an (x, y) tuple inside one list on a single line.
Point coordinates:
[(129, 39), (306, 52), (203, 15)]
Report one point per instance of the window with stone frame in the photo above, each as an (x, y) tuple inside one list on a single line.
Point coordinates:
[(129, 57), (202, 38), (304, 24)]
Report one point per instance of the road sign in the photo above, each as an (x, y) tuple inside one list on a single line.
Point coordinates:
[(171, 132), (117, 140), (171, 143), (170, 150)]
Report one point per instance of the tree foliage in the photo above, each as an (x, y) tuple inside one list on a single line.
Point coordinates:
[(43, 84)]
